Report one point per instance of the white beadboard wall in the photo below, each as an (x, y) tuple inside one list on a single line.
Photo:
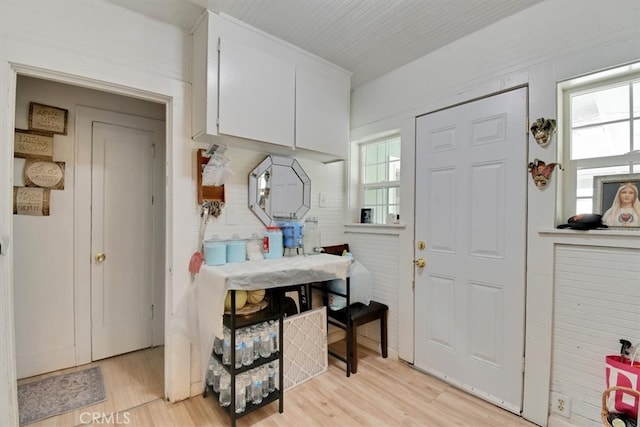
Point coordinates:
[(236, 217), (378, 253), (597, 295)]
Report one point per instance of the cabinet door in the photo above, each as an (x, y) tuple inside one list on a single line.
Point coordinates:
[(322, 109), (257, 94)]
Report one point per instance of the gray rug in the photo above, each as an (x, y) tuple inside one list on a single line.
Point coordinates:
[(59, 394)]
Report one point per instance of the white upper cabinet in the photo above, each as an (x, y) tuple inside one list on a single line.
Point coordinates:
[(266, 94), (257, 94), (322, 109)]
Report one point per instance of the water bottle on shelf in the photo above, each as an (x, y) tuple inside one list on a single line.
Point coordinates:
[(256, 389), (247, 347), (226, 347), (241, 403), (273, 336), (265, 340), (271, 371), (225, 390)]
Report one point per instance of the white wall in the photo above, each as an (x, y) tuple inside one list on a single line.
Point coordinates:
[(549, 42), (596, 300)]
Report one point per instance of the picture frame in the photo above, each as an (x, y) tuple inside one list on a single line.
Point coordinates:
[(366, 216), (605, 189), (32, 145), (46, 118)]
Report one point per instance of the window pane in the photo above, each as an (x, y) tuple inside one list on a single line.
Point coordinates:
[(585, 178), (600, 106), (394, 171), (382, 153), (636, 134), (600, 141), (636, 100), (370, 154), (394, 196), (584, 206), (370, 174), (394, 149), (382, 176), (369, 197)]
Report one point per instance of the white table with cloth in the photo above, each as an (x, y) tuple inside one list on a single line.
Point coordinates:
[(212, 283)]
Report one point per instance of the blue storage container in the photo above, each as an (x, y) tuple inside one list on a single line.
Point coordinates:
[(215, 253), (236, 251)]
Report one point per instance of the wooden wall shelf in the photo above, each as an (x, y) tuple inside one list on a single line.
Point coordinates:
[(206, 193)]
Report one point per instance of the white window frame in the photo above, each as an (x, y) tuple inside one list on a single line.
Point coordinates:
[(379, 185), (631, 160)]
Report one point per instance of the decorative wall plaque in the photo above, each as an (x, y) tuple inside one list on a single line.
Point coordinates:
[(30, 145), (47, 118), (31, 201), (38, 173)]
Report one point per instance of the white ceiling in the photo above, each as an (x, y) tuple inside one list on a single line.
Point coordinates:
[(367, 37)]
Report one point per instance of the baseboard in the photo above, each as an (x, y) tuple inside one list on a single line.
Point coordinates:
[(196, 389), (559, 421)]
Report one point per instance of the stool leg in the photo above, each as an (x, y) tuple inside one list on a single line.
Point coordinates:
[(383, 334), (354, 348)]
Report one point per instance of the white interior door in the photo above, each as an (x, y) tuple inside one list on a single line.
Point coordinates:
[(471, 183), (121, 230)]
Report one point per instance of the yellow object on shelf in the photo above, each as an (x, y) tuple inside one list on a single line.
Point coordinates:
[(241, 300)]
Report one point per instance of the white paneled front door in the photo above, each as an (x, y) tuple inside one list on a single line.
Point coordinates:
[(121, 239), (471, 183)]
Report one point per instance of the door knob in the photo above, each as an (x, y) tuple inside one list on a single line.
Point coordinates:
[(420, 262), (100, 257)]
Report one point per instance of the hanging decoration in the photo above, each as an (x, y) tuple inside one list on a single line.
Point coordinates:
[(542, 130), (541, 172)]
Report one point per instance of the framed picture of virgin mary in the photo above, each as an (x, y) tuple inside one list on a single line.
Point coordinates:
[(615, 197)]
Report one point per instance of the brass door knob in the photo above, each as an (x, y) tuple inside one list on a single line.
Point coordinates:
[(100, 257), (420, 262)]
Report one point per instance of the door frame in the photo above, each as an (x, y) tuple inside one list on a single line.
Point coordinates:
[(84, 118), (176, 383)]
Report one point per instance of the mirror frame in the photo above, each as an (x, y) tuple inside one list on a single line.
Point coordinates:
[(266, 164)]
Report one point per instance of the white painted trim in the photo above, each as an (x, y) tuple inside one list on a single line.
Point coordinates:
[(8, 380), (177, 384), (374, 228), (558, 421)]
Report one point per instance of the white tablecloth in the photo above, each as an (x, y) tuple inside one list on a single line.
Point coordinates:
[(212, 283)]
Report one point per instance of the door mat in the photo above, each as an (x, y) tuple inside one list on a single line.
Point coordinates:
[(56, 395)]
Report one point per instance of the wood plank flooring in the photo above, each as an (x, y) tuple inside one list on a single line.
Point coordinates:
[(384, 392)]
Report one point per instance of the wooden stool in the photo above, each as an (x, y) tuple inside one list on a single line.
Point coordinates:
[(361, 314)]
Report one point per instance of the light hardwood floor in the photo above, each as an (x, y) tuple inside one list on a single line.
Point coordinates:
[(384, 392)]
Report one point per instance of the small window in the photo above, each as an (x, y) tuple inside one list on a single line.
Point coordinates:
[(380, 178), (601, 132)]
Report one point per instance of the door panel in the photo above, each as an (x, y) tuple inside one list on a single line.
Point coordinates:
[(122, 177), (471, 211)]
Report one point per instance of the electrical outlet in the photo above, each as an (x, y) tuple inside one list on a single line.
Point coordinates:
[(560, 404)]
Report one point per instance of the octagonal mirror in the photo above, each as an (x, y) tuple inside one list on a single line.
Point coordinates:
[(279, 189)]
